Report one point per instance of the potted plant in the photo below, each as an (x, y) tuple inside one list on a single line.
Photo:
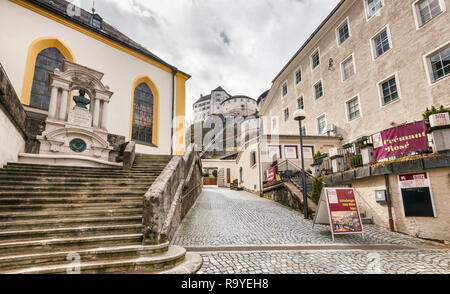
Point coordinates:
[(439, 127)]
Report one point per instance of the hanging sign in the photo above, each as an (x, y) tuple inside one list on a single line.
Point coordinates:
[(338, 208), (400, 140)]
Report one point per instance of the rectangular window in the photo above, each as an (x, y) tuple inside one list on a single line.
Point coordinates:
[(286, 114), (315, 59), (440, 64), (285, 89), (373, 6), (253, 158), (274, 124), (300, 103), (427, 10), (353, 109), (290, 152), (321, 125), (318, 90), (389, 91), (348, 69), (381, 43), (343, 32), (298, 76)]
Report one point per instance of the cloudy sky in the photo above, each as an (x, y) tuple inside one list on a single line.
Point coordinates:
[(240, 45)]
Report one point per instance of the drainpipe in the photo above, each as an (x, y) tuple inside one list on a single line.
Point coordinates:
[(174, 72), (389, 203)]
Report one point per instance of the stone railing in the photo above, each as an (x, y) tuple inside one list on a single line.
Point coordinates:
[(171, 196)]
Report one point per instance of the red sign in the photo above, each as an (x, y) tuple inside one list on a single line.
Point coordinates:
[(400, 140), (343, 211), (271, 175)]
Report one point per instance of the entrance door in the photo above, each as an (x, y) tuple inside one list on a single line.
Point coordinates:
[(228, 175)]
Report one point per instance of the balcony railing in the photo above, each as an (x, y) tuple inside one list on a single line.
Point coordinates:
[(351, 156)]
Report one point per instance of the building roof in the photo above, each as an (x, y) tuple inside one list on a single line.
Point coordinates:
[(262, 96), (218, 89), (238, 97), (203, 99), (59, 7), (310, 38)]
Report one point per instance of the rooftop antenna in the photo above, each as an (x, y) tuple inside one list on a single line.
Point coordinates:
[(93, 6)]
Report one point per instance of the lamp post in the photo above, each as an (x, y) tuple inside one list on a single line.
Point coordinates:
[(300, 115)]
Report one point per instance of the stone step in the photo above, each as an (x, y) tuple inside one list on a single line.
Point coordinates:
[(47, 178), (75, 168), (33, 215), (86, 175), (81, 193), (70, 206), (70, 222), (103, 183), (175, 255), (69, 189), (75, 243), (67, 200), (137, 169), (9, 263), (82, 231)]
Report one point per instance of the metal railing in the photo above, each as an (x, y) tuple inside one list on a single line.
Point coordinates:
[(287, 169)]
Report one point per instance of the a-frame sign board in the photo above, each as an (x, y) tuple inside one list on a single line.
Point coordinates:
[(338, 208)]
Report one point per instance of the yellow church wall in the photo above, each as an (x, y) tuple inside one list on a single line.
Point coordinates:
[(20, 27)]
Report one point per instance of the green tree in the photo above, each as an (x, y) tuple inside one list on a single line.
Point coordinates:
[(317, 186)]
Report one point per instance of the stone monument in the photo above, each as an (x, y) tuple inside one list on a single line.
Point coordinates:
[(75, 135)]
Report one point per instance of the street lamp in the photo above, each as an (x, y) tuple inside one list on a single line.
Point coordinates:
[(300, 115)]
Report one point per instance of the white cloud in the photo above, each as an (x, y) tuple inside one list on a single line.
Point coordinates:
[(238, 44)]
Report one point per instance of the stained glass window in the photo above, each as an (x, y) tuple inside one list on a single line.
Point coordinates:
[(143, 114), (46, 62)]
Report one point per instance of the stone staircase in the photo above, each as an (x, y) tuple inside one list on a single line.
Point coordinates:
[(48, 213), (298, 183)]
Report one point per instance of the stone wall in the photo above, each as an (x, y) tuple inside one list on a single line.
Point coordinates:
[(170, 198)]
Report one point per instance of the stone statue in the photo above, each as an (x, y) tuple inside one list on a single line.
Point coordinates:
[(81, 101)]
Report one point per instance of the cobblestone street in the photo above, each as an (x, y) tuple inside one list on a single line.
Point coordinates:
[(237, 232)]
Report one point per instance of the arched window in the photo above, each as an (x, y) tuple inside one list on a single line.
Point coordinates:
[(143, 114), (46, 62)]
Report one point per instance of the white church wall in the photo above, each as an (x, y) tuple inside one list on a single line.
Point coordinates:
[(12, 143)]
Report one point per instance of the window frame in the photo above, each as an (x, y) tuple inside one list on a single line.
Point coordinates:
[(428, 67), (347, 110), (299, 69), (380, 89), (311, 59), (373, 45), (274, 126), (324, 115), (377, 13), (338, 37), (417, 17), (288, 114), (285, 83), (302, 97), (314, 90), (352, 57)]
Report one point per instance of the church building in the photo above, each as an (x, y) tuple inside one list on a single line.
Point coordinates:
[(146, 95)]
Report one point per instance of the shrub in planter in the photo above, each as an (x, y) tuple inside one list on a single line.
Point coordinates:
[(429, 112), (214, 173), (356, 160), (317, 186)]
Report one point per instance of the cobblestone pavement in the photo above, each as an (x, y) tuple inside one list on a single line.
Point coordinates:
[(224, 218), (328, 262)]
